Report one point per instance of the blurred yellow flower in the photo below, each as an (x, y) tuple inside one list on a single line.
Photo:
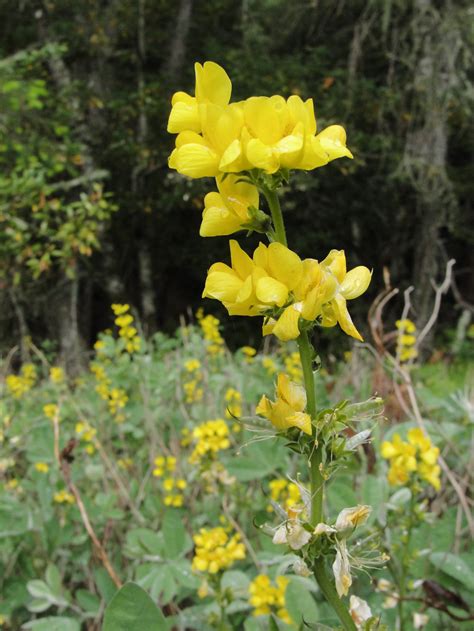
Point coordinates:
[(216, 550), (267, 598), (42, 467)]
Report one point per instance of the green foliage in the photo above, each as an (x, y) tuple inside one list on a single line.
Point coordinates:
[(132, 609), (50, 573)]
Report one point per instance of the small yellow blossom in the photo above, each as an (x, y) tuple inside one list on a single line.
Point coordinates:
[(287, 410), (64, 497), (192, 365), (18, 385), (233, 400), (249, 353), (51, 410), (418, 455), (56, 374), (216, 550), (120, 309), (267, 598), (42, 467), (285, 493), (406, 343), (209, 437), (210, 329)]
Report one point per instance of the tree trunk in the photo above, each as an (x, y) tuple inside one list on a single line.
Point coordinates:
[(178, 42)]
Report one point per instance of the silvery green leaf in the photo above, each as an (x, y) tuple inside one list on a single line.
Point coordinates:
[(358, 439)]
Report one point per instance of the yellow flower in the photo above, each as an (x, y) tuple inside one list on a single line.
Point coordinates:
[(406, 341), (120, 309), (269, 365), (210, 437), (64, 497), (215, 550), (18, 385), (350, 285), (267, 598), (276, 279), (51, 410), (42, 467), (212, 86), (288, 409), (192, 364), (417, 455), (56, 374), (227, 211)]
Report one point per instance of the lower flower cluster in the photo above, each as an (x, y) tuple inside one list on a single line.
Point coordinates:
[(216, 550), (267, 598), (417, 456)]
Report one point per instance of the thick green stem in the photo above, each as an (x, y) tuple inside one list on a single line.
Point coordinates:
[(331, 595), (277, 216), (317, 486)]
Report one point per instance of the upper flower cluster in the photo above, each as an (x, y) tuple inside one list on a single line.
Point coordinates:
[(417, 455), (277, 283), (268, 133)]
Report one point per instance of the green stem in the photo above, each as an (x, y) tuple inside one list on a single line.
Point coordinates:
[(277, 216), (317, 486), (331, 595)]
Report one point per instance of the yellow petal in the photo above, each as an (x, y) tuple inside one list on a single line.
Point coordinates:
[(222, 286), (217, 221), (355, 282), (262, 120), (260, 256), (344, 319), (284, 264), (238, 195), (291, 392), (212, 83), (286, 327), (184, 117), (189, 137), (335, 262), (302, 421), (302, 112), (271, 291), (289, 149), (268, 326), (313, 154), (241, 261), (333, 141), (195, 161), (262, 156), (264, 407)]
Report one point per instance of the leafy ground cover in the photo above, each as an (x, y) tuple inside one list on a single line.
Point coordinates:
[(154, 468)]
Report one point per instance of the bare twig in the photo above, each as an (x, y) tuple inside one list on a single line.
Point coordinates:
[(439, 291), (64, 459)]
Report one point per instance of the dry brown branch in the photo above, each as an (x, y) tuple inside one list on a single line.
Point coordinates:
[(65, 459), (439, 291)]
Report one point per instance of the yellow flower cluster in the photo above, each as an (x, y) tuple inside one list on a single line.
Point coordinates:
[(210, 330), (284, 493), (173, 489), (216, 137), (293, 366), (172, 486), (417, 456), (193, 392), (64, 497), (87, 434), (277, 282), (288, 409), (51, 410), (249, 353), (42, 467), (406, 340), (267, 598), (164, 464), (216, 550), (124, 320), (209, 437), (18, 385), (56, 374), (116, 398)]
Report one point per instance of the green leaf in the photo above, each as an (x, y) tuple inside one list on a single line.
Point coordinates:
[(131, 609), (453, 566), (300, 604), (52, 623), (177, 540), (53, 579)]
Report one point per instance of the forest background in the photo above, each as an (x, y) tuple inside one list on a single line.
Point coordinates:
[(90, 214)]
